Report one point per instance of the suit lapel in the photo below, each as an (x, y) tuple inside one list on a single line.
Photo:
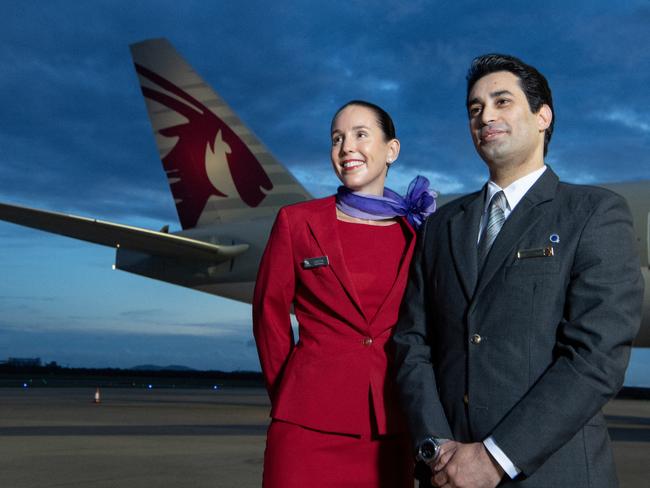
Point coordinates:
[(323, 227), (404, 265), (463, 229), (521, 220)]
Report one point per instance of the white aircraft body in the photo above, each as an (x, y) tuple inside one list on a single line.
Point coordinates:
[(227, 188)]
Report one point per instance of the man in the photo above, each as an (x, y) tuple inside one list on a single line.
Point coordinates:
[(521, 308)]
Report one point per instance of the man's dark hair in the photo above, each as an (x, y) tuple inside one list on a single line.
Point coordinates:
[(384, 121), (532, 82)]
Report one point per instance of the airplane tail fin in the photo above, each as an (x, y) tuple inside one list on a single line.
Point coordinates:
[(217, 169)]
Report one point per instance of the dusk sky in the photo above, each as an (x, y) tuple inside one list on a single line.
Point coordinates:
[(75, 137)]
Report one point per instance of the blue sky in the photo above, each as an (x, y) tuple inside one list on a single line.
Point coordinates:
[(74, 136)]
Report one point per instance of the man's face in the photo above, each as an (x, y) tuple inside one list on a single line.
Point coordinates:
[(504, 130)]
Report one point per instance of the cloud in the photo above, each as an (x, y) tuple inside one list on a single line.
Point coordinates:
[(442, 183), (26, 298), (612, 38), (320, 181), (98, 349), (386, 85), (628, 118), (153, 322)]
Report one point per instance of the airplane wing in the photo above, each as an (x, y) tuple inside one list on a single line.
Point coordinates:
[(118, 235)]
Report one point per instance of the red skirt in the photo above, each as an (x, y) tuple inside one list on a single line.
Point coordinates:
[(299, 457)]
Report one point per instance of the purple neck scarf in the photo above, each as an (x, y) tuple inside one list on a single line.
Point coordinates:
[(416, 205)]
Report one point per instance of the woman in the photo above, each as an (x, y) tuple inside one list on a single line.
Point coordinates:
[(342, 262)]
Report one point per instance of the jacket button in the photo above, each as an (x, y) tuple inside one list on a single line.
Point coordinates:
[(466, 399), (367, 341), (475, 339)]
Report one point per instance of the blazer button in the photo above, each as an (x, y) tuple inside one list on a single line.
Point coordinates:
[(367, 341), (475, 339), (466, 399)]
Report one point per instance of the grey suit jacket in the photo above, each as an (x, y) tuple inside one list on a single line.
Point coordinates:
[(530, 349)]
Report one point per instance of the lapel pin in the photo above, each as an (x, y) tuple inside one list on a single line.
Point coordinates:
[(554, 238)]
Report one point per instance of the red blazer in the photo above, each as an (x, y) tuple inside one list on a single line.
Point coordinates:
[(342, 358)]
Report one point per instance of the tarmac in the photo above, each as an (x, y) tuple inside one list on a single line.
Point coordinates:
[(57, 437)]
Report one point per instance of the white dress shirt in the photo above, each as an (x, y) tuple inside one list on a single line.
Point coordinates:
[(514, 193)]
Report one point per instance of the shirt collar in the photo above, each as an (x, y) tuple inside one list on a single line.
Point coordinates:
[(515, 191)]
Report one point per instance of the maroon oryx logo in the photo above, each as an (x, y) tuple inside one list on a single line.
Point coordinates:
[(185, 164)]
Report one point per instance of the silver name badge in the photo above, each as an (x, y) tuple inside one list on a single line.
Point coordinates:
[(542, 252), (316, 262)]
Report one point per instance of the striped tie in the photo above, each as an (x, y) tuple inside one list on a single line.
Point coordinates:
[(495, 220)]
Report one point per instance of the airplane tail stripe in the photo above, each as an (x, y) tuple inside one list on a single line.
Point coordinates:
[(170, 102), (169, 86)]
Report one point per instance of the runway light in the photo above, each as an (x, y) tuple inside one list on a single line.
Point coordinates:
[(215, 387), (25, 385), (150, 386)]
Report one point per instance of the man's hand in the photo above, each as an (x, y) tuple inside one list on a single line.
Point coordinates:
[(465, 466)]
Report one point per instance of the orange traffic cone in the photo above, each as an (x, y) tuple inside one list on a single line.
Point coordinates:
[(97, 396)]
